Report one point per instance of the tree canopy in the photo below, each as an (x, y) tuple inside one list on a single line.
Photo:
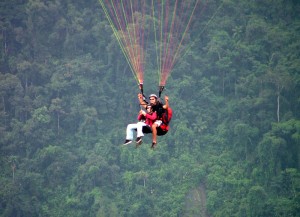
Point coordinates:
[(67, 94)]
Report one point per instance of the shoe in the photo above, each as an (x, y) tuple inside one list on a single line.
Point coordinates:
[(138, 141), (127, 141), (153, 146)]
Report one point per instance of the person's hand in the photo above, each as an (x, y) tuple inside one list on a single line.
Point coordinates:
[(142, 112)]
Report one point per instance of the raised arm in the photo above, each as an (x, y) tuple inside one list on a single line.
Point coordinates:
[(166, 105), (141, 100)]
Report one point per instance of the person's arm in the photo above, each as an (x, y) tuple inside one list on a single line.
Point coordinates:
[(166, 105), (140, 116), (141, 100)]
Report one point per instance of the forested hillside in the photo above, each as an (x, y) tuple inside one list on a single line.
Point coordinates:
[(67, 95)]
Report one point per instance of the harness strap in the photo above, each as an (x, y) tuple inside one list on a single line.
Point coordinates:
[(161, 89)]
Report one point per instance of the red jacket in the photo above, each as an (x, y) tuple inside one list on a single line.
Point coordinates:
[(149, 118)]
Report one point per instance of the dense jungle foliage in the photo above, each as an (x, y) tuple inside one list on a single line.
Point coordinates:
[(67, 95)]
